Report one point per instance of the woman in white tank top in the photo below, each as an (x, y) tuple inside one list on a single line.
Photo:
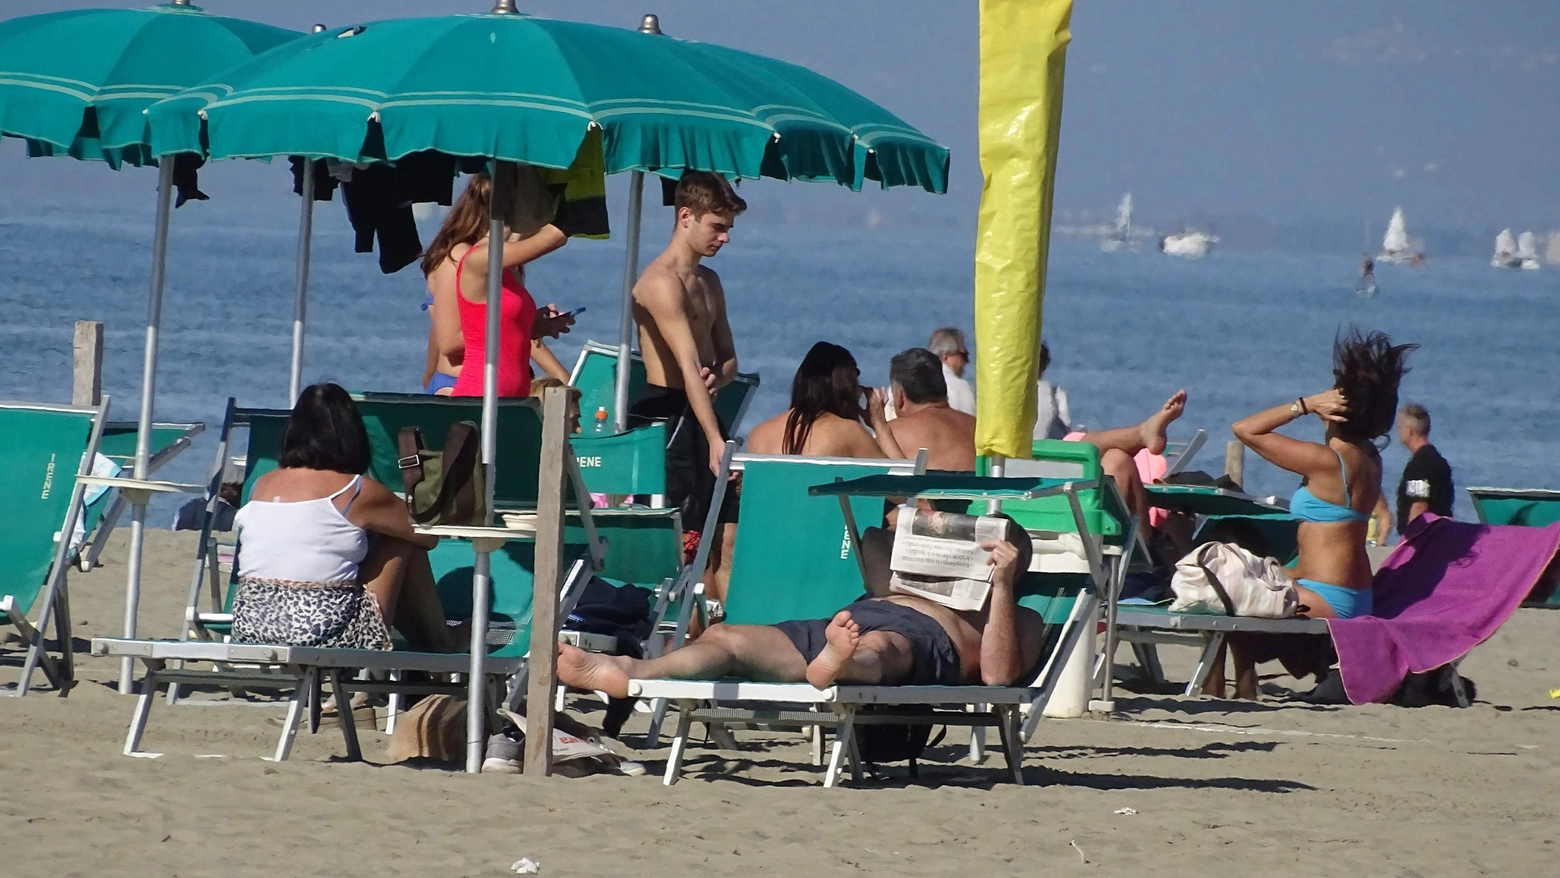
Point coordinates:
[(328, 556)]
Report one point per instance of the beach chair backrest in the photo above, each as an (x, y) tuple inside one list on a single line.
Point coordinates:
[(793, 557), (1054, 596), (44, 449), (623, 463), (644, 546), (519, 437), (1057, 459), (595, 374), (513, 572), (1525, 507)]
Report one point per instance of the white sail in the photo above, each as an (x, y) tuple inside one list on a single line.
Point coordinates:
[(1120, 237), (1505, 251), (1396, 239)]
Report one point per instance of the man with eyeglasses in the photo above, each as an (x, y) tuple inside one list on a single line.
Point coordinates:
[(948, 344)]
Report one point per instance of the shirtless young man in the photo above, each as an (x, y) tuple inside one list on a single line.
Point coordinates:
[(883, 640), (926, 420), (689, 354)]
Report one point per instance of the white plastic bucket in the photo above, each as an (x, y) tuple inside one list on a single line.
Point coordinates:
[(1073, 690)]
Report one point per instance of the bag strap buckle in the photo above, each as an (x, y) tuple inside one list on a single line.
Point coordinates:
[(408, 462)]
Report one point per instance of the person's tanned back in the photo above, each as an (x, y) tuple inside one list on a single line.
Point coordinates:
[(925, 418)]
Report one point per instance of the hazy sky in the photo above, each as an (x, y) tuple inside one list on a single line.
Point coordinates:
[(1299, 111)]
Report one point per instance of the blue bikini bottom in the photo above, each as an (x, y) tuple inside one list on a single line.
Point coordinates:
[(438, 383), (1345, 602)]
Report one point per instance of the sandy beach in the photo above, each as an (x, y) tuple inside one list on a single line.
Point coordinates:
[(1217, 787)]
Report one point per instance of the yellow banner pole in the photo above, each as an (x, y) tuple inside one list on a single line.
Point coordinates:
[(1023, 50)]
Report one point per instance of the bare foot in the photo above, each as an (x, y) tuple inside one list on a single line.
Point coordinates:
[(588, 670), (842, 636), (1154, 428)]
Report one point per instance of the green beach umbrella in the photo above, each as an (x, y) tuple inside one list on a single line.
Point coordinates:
[(514, 88), (511, 88), (78, 83)]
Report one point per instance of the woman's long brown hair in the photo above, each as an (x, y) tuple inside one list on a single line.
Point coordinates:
[(467, 223)]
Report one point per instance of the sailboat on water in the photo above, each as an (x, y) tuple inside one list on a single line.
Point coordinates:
[(1395, 246), (1527, 251), (1505, 251), (1120, 238)]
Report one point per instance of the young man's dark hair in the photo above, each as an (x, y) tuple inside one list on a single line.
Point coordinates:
[(917, 372), (702, 192), (325, 432)]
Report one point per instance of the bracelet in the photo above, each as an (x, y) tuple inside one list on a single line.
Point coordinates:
[(1303, 409)]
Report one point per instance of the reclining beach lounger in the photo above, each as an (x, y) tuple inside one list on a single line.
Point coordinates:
[(788, 537), (595, 374), (1147, 627), (1065, 601), (1525, 507), (509, 548), (47, 447)]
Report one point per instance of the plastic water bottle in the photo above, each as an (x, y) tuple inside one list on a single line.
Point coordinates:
[(601, 420)]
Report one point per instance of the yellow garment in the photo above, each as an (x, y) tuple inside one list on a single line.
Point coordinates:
[(1023, 50), (582, 204)]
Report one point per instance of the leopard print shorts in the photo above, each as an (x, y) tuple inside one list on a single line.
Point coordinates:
[(308, 614)]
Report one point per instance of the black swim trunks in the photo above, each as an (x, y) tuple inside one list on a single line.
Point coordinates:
[(689, 482), (936, 660)]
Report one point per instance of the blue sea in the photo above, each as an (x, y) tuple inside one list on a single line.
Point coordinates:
[(1239, 330)]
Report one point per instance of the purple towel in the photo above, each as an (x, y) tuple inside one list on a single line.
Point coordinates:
[(1445, 589)]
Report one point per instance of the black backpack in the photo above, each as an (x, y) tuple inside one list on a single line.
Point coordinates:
[(895, 742)]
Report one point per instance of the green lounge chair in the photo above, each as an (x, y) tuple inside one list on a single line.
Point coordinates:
[(766, 555), (1147, 627), (49, 447), (1524, 507), (1065, 602), (595, 374)]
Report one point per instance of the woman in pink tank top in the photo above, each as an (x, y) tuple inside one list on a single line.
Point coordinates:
[(455, 265)]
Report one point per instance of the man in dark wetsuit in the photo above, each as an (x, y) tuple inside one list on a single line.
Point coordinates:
[(882, 640), (689, 355)]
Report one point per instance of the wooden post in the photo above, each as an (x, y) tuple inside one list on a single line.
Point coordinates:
[(543, 663), (87, 364), (1235, 461)]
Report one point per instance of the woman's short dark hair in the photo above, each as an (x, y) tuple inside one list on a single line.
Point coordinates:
[(325, 432), (1367, 368), (826, 381)]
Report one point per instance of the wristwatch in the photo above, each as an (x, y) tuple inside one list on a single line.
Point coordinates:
[(1294, 408)]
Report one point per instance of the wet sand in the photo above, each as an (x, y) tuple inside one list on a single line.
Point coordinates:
[(1218, 787)]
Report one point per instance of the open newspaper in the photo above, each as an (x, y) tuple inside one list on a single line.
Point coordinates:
[(937, 556)]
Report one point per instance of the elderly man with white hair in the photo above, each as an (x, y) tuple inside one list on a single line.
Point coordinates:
[(948, 344)]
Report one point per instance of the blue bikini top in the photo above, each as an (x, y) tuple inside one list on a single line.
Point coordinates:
[(1308, 507)]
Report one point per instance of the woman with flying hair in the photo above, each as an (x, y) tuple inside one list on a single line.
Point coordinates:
[(1341, 476)]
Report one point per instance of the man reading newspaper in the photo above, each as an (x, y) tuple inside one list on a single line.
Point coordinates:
[(896, 635)]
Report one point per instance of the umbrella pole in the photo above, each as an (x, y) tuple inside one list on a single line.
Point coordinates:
[(143, 435), (301, 294), (636, 197), (481, 580)]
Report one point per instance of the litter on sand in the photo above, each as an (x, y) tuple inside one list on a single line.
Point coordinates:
[(525, 866), (1126, 811)]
